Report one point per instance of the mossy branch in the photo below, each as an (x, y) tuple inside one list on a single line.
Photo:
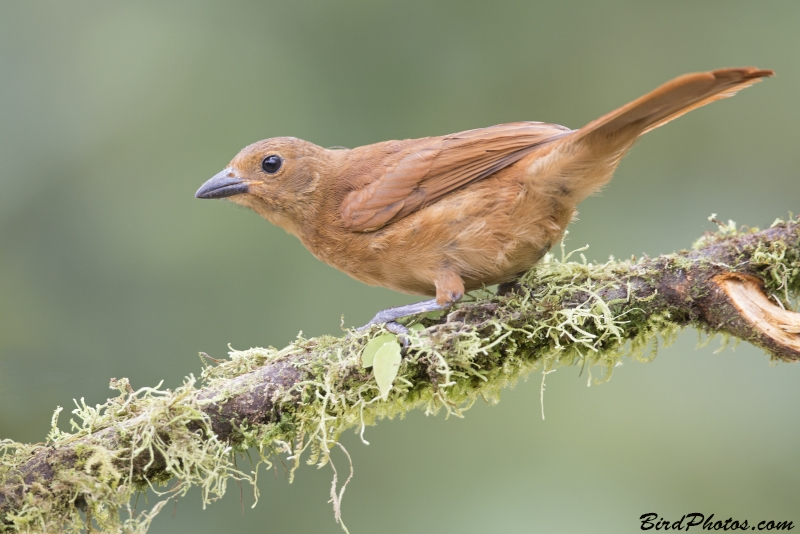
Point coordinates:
[(738, 283)]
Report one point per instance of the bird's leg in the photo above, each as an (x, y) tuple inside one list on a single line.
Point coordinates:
[(390, 316), (449, 289)]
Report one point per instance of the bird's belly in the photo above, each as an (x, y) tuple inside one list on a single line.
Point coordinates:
[(487, 233)]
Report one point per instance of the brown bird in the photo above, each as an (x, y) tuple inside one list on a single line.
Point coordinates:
[(444, 215)]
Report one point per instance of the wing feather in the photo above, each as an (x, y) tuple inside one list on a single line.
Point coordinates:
[(437, 166)]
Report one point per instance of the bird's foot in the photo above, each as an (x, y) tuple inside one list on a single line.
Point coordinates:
[(390, 316), (396, 328)]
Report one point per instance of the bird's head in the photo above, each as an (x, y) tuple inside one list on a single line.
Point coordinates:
[(275, 177)]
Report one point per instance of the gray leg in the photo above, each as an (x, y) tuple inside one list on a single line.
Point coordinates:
[(389, 316)]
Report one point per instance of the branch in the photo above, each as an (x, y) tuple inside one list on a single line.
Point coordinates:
[(740, 284)]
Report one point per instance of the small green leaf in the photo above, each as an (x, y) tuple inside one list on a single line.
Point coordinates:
[(417, 327), (385, 367), (372, 347)]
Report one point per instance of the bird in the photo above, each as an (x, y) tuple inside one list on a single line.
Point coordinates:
[(439, 216)]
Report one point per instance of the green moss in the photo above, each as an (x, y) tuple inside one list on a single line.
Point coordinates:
[(147, 426), (778, 264)]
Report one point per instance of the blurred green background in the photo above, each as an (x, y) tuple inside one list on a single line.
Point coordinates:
[(113, 114)]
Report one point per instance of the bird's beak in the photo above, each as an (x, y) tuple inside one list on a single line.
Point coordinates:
[(223, 184)]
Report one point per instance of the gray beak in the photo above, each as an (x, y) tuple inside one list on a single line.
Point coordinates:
[(223, 184)]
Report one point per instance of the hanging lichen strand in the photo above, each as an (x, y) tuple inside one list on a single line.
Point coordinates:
[(297, 401)]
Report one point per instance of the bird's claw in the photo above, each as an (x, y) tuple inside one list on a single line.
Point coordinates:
[(390, 316), (396, 328)]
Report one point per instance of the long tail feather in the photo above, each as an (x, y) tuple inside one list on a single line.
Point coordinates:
[(672, 100), (582, 162)]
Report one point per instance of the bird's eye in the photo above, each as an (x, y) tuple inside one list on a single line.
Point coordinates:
[(271, 164)]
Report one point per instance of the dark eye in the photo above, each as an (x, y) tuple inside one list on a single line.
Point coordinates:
[(271, 164)]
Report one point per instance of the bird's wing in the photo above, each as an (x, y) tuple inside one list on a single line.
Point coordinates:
[(425, 170)]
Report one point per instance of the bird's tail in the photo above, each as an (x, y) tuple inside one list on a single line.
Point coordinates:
[(581, 163)]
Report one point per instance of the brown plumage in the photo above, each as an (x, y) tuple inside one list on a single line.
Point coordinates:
[(443, 215)]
